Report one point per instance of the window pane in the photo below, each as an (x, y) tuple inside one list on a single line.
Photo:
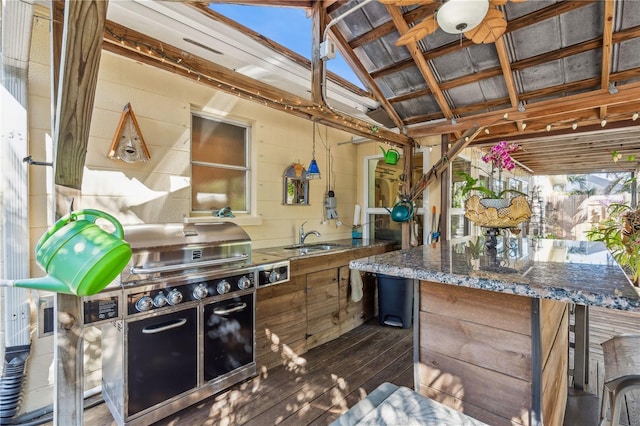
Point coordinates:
[(387, 180), (458, 182), (384, 228), (214, 188), (217, 142), (418, 171)]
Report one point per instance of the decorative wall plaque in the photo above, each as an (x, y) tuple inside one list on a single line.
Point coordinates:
[(128, 144)]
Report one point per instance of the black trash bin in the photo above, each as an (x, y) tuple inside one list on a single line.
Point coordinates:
[(395, 301)]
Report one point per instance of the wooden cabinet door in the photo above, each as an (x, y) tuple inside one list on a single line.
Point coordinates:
[(281, 313), (353, 314), (323, 309)]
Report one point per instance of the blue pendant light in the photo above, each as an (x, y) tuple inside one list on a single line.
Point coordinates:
[(313, 171)]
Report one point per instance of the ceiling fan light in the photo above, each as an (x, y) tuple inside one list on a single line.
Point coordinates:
[(458, 16), (634, 117)]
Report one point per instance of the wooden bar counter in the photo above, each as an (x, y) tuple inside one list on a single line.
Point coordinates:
[(492, 326)]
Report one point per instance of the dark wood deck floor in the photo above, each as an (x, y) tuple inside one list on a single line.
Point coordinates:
[(316, 387)]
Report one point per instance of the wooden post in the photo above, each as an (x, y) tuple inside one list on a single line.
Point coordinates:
[(407, 171), (77, 47), (69, 369), (79, 62)]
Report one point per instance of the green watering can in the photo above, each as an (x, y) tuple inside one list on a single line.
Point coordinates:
[(79, 257), (391, 156)]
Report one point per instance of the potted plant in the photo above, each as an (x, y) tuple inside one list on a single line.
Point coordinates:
[(493, 209), (620, 232)]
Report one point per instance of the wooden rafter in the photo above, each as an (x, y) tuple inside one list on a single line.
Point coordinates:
[(534, 61), (357, 67), (421, 63), (518, 23), (627, 94), (503, 56), (318, 24), (387, 28), (607, 39)]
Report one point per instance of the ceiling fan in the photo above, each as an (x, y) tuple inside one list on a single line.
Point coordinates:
[(480, 20)]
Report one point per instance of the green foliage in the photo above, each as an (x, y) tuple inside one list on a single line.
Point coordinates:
[(624, 247), (471, 184)]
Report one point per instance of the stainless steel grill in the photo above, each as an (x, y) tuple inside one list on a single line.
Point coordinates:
[(161, 249), (179, 323)]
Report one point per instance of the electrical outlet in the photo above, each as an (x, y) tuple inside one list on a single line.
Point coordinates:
[(46, 316), (327, 50)]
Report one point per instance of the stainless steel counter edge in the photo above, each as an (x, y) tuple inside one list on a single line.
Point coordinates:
[(572, 281)]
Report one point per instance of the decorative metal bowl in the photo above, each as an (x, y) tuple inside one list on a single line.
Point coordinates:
[(497, 213)]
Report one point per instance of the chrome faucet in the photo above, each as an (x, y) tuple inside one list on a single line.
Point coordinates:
[(303, 236)]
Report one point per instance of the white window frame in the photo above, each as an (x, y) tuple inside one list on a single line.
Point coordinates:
[(458, 211), (421, 210), (250, 215)]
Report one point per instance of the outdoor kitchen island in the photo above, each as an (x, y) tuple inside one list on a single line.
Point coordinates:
[(492, 325)]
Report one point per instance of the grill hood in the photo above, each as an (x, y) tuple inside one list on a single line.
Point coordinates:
[(169, 248)]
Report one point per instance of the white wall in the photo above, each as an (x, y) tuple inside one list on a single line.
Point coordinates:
[(158, 190)]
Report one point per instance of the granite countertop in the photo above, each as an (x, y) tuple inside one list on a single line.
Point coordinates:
[(578, 272), (275, 254)]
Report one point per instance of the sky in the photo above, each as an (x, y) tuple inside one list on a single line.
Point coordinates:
[(287, 26)]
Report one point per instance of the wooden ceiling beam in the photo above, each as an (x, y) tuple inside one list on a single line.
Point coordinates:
[(536, 61), (532, 148), (356, 65), (588, 132), (421, 63), (545, 109), (232, 82), (503, 57), (607, 32), (387, 28), (318, 24), (516, 24)]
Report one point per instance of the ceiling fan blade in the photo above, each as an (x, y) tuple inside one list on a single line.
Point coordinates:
[(400, 3), (490, 29), (419, 31), (494, 3)]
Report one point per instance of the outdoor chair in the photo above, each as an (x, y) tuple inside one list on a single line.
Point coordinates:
[(621, 373)]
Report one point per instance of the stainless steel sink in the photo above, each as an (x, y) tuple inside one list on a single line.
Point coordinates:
[(307, 248), (325, 246)]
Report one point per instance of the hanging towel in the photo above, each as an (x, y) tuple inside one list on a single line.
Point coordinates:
[(356, 285)]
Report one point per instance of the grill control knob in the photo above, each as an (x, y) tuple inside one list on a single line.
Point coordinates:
[(200, 292), (145, 303), (243, 283), (160, 300), (223, 287), (274, 276), (174, 297)]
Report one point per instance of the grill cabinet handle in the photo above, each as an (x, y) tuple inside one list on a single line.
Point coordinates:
[(169, 268), (235, 308), (160, 329)]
